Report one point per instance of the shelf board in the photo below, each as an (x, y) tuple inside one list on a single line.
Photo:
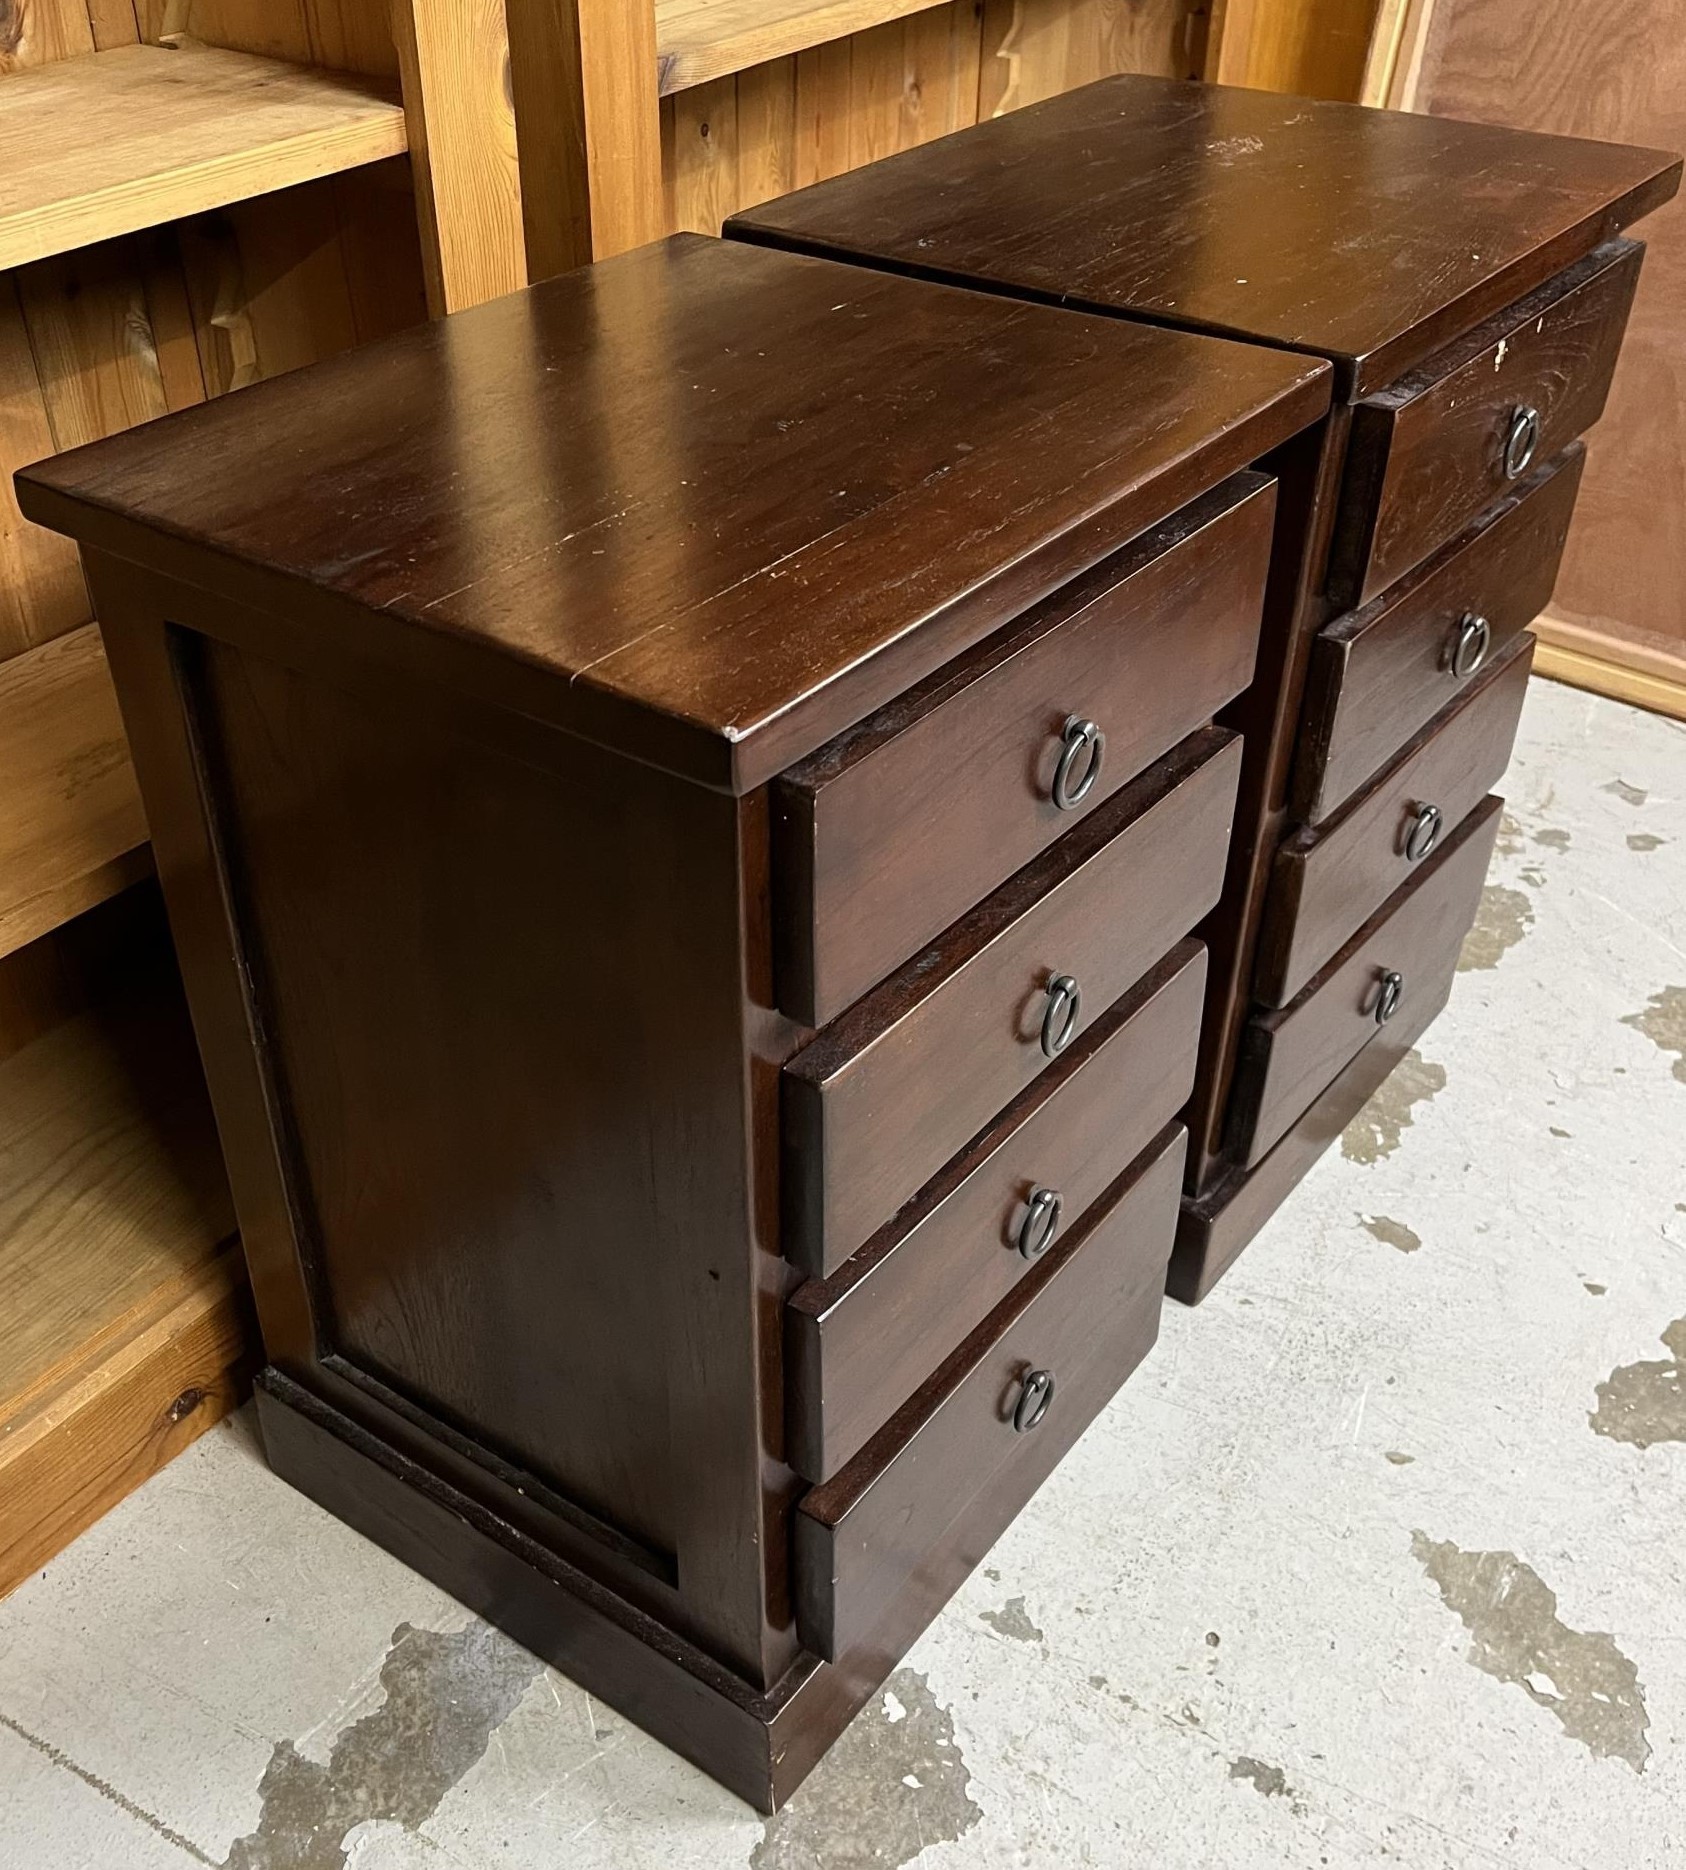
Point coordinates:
[(121, 1321), (71, 828), (697, 40), (110, 142)]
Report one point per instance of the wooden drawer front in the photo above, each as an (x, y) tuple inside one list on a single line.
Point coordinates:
[(1429, 453), (1327, 883), (1288, 1057), (1378, 674), (881, 1100), (886, 836), (895, 1515), (860, 1343)]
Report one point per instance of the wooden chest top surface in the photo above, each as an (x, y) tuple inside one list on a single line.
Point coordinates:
[(706, 503), (1365, 236)]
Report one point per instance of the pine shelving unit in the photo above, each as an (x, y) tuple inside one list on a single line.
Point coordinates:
[(700, 40), (124, 1331)]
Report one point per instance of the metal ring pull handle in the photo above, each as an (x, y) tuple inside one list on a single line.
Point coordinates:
[(1521, 439), (1036, 1392), (1082, 750), (1041, 1223), (1391, 992), (1471, 640), (1423, 833), (1059, 1017)]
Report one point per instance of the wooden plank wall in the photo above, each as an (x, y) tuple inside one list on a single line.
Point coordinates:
[(1614, 69), (793, 121), (95, 341)]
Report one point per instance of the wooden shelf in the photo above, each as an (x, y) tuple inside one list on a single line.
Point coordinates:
[(102, 145), (121, 1299), (697, 40), (71, 828)]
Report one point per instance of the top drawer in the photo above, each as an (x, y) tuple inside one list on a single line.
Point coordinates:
[(1431, 451), (885, 837)]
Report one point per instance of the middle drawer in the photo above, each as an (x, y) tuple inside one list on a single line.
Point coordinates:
[(884, 837), (878, 1102), (859, 1344)]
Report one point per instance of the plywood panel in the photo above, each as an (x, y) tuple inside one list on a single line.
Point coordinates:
[(1615, 70)]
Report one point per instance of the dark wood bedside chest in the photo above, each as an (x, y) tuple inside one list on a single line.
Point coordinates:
[(1470, 286), (623, 769)]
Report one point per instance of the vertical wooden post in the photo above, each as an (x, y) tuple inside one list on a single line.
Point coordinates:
[(454, 59), (586, 99)]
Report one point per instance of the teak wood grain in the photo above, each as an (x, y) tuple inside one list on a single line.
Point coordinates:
[(1088, 1315), (883, 838), (702, 504), (909, 1075), (860, 1343), (1380, 673), (1291, 1056), (1428, 453), (1211, 208), (1328, 882)]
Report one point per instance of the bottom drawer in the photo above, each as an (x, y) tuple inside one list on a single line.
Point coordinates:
[(932, 1491), (1288, 1057), (1215, 1226)]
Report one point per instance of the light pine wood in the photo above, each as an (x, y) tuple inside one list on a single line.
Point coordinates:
[(697, 40), (1393, 65), (71, 828), (102, 145), (454, 57), (584, 82), (740, 140), (1308, 48), (1610, 665), (111, 1185), (167, 1370)]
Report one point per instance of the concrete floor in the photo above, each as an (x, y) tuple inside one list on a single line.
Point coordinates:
[(1380, 1560)]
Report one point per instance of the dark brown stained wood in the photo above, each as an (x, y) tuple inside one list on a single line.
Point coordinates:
[(1216, 1225), (1428, 453), (1378, 674), (1307, 471), (1328, 882), (889, 1092), (1092, 1305), (1290, 1057), (1217, 208), (886, 836), (475, 1137), (671, 1689), (704, 504), (860, 1343)]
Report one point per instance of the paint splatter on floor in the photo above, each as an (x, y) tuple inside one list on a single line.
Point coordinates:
[(447, 1693), (1643, 841), (1505, 916), (1511, 1613), (1645, 1403), (1012, 1620), (1663, 1022), (1375, 1132), (1629, 795), (1391, 1233), (1270, 1780), (893, 1784)]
